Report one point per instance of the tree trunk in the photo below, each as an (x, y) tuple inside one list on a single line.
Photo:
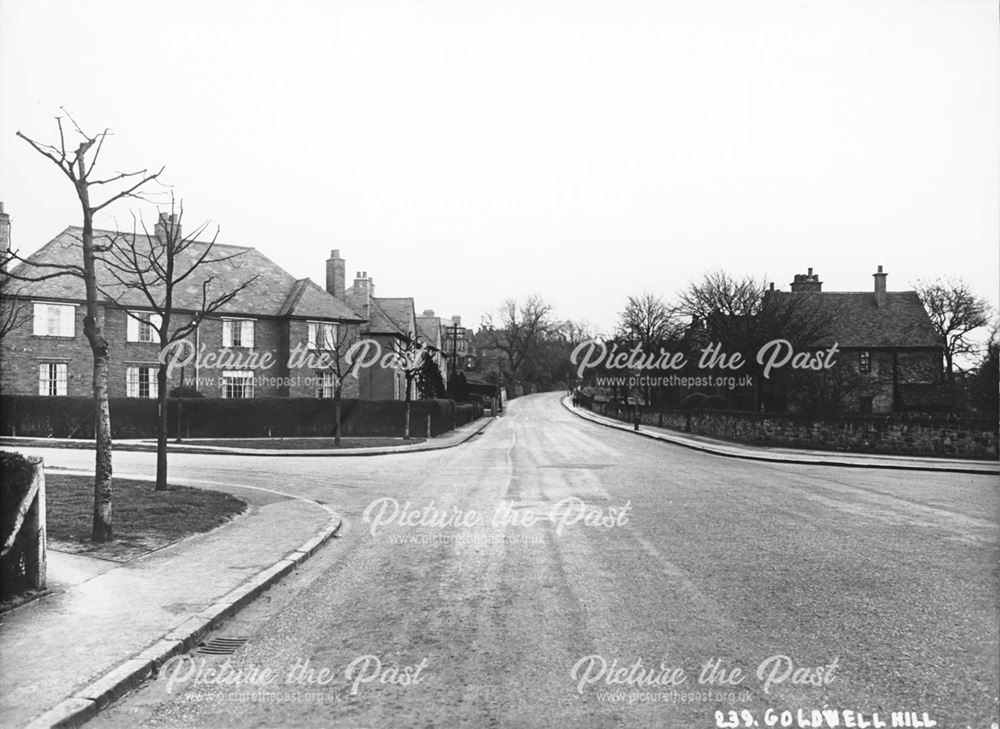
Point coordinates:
[(101, 530), (406, 420), (336, 415), (161, 428), (102, 527)]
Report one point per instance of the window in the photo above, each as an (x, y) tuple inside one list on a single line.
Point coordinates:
[(55, 320), (237, 383), (328, 384), (322, 335), (865, 361), (52, 377), (143, 326), (140, 381), (237, 333)]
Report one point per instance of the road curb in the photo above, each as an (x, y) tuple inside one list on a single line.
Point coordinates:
[(88, 701), (269, 453), (747, 455)]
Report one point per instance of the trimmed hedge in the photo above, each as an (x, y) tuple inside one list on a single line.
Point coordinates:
[(72, 417)]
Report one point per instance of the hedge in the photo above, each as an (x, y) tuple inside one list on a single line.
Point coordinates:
[(72, 417)]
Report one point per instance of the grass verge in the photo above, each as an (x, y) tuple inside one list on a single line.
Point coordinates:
[(296, 444), (144, 519)]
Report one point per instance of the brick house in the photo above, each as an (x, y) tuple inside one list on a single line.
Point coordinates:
[(389, 322), (276, 315), (890, 357)]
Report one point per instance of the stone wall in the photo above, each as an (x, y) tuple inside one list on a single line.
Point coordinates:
[(899, 434)]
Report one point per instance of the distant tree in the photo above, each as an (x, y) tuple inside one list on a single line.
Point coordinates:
[(78, 166), (742, 315), (430, 383), (410, 354), (982, 382), (458, 388), (518, 332), (956, 312), (152, 268), (649, 321)]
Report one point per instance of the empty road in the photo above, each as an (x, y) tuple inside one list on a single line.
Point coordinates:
[(553, 573)]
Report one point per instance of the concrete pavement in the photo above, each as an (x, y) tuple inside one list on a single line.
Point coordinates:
[(104, 626), (790, 455)]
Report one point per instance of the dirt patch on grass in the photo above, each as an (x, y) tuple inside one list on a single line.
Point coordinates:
[(144, 519)]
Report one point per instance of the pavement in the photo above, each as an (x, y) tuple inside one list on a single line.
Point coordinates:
[(103, 627), (448, 440), (790, 455)]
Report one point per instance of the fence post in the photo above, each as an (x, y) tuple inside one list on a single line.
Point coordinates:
[(35, 522), (428, 425)]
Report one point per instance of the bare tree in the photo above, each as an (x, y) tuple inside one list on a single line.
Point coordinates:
[(519, 332), (410, 354), (956, 312), (742, 315), (649, 321), (78, 166), (153, 268), (333, 343), (14, 311)]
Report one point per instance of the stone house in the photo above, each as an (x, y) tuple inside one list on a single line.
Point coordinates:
[(890, 357), (256, 345)]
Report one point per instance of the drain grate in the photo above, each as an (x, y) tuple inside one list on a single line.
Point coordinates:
[(221, 646)]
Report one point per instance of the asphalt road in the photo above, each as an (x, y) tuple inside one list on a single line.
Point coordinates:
[(874, 591)]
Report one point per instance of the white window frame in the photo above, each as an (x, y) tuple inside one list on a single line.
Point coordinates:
[(142, 326), (327, 384), (53, 376), (330, 332), (53, 320), (243, 331), (133, 381), (229, 381)]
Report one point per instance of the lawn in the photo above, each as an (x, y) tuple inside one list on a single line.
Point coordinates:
[(144, 519)]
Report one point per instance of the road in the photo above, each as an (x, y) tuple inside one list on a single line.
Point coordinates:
[(878, 588)]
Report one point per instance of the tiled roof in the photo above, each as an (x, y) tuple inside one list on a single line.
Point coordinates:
[(857, 322), (385, 315), (274, 292), (429, 329)]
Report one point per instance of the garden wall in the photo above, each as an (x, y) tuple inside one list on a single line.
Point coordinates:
[(897, 434)]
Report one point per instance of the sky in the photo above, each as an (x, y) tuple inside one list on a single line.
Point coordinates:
[(465, 152)]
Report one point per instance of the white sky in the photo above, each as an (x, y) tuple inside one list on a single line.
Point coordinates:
[(464, 152)]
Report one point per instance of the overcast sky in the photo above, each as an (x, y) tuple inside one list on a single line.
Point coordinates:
[(465, 152)]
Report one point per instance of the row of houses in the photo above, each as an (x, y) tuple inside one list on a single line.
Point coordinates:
[(264, 342)]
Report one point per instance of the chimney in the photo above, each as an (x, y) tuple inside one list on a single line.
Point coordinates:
[(428, 313), (4, 233), (336, 274), (807, 282), (363, 284), (880, 296), (456, 321), (167, 222)]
